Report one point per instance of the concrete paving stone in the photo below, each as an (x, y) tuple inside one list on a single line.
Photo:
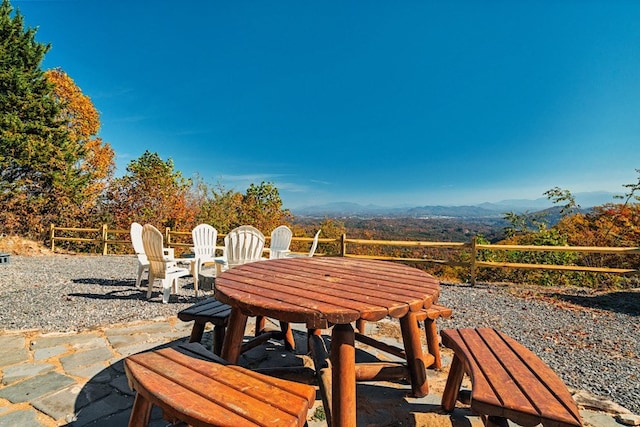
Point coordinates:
[(136, 348), (87, 372), (598, 419), (119, 341), (122, 419), (148, 328), (118, 366), (121, 384), (19, 372), (110, 405), (104, 376), (86, 358), (35, 387), (169, 336), (65, 403), (26, 417), (96, 342), (113, 420), (13, 350), (46, 353), (72, 339)]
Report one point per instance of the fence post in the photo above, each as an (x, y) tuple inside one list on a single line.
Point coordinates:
[(343, 244), (167, 238), (51, 236), (474, 253), (104, 239)]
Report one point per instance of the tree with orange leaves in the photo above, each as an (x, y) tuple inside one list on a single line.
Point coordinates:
[(150, 192), (83, 123)]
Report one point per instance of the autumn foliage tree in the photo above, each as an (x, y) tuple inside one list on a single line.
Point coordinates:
[(262, 207), (151, 191), (83, 123), (96, 163)]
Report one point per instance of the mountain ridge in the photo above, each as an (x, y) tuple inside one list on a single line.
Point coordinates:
[(481, 210)]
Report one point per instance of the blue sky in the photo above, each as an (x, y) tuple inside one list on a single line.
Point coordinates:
[(388, 103)]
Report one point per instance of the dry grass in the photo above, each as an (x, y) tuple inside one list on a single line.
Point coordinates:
[(17, 245)]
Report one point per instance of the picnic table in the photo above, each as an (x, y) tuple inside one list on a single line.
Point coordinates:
[(328, 292)]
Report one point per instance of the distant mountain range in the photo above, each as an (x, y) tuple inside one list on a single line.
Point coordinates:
[(483, 210)]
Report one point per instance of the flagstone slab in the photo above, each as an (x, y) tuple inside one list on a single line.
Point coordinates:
[(19, 372), (65, 403), (13, 350), (86, 358), (35, 387), (27, 417)]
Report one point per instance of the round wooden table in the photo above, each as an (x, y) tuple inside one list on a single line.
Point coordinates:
[(324, 292)]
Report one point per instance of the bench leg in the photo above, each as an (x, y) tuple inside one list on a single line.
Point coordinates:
[(289, 342), (454, 381), (415, 357), (197, 331), (431, 332), (218, 339), (261, 325), (141, 412)]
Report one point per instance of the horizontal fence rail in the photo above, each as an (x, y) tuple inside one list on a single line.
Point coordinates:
[(103, 237)]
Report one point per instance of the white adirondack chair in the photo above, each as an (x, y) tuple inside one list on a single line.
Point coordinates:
[(138, 247), (204, 248), (242, 245), (280, 241), (312, 251), (159, 266)]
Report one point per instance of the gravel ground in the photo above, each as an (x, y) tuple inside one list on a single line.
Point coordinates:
[(591, 340)]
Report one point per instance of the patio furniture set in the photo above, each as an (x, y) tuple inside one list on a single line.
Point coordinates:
[(330, 295)]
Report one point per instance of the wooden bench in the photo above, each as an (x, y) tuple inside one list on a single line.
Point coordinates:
[(209, 310), (205, 393), (429, 317), (508, 381), (213, 311)]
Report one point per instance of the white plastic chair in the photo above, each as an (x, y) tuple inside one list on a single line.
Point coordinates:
[(138, 248), (159, 266), (312, 251), (204, 248), (242, 245), (280, 241)]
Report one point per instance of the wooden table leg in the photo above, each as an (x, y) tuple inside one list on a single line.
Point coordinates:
[(233, 336), (343, 376), (415, 357), (141, 412)]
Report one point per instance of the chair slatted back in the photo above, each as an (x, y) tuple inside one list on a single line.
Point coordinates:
[(280, 240), (204, 240), (243, 244), (153, 247)]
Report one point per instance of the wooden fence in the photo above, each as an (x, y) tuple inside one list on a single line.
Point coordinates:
[(103, 237)]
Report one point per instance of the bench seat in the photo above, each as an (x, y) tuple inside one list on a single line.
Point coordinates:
[(508, 381), (206, 393), (208, 310)]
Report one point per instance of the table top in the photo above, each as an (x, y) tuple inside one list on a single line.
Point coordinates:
[(321, 291)]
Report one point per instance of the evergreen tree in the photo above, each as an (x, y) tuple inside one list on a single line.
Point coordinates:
[(38, 177)]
